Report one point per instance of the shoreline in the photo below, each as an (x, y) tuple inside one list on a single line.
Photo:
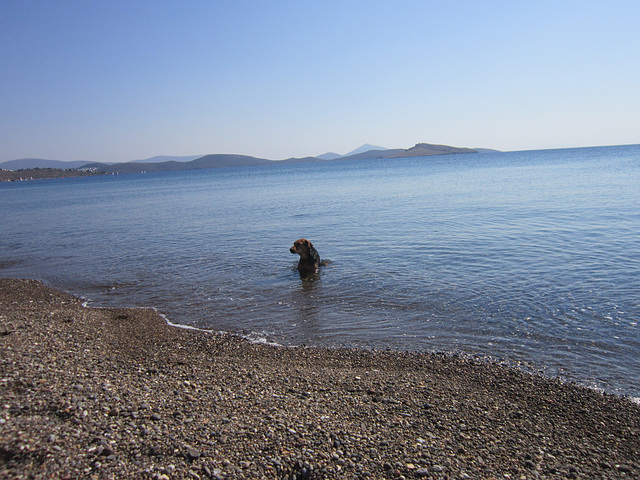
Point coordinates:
[(121, 393), (259, 339)]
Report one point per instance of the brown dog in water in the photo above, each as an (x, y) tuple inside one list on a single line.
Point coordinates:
[(309, 257)]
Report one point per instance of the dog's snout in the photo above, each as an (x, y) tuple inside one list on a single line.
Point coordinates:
[(293, 250)]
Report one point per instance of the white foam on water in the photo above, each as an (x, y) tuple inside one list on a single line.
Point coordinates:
[(253, 337)]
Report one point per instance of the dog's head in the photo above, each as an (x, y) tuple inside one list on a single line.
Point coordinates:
[(301, 247)]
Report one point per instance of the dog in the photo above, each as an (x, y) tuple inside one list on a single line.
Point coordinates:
[(309, 257)]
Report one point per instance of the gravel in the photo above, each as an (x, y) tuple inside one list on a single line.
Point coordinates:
[(118, 393)]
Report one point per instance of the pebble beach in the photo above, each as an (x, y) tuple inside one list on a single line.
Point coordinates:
[(119, 393)]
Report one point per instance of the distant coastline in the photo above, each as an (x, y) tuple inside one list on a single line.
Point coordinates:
[(43, 173), (33, 169)]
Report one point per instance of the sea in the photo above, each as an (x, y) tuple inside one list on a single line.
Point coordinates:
[(529, 258)]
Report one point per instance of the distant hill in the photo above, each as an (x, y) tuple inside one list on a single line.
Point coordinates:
[(363, 149), (167, 158), (368, 151), (329, 156), (427, 149), (418, 150), (204, 162), (23, 163), (371, 154)]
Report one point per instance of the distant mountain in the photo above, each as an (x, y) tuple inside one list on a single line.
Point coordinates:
[(363, 149), (223, 160), (329, 156), (23, 163), (371, 154), (207, 161), (426, 149), (418, 150), (167, 158)]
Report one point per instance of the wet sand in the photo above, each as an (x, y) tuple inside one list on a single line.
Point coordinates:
[(118, 393)]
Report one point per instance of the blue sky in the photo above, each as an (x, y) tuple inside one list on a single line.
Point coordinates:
[(121, 80)]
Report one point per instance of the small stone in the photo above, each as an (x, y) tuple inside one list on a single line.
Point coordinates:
[(52, 438), (104, 451), (155, 417), (100, 441), (192, 453), (422, 472)]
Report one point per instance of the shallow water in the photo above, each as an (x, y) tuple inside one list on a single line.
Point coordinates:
[(531, 257)]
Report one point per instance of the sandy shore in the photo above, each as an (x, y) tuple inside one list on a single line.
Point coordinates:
[(117, 393)]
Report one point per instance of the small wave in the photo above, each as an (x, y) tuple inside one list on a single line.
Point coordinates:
[(253, 337), (185, 327)]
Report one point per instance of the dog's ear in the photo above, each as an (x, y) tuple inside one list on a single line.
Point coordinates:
[(309, 244)]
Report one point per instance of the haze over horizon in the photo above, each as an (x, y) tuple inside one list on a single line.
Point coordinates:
[(121, 81)]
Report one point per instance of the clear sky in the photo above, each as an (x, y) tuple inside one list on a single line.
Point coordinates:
[(111, 80)]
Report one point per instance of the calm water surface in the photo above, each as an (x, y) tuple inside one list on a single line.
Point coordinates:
[(531, 257)]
